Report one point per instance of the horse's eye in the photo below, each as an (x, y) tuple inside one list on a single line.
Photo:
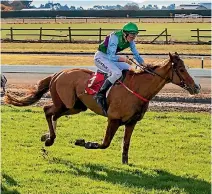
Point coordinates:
[(181, 70)]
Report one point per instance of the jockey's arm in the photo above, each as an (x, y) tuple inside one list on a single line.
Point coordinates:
[(138, 58), (111, 50)]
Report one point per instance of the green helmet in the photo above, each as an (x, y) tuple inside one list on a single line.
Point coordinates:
[(130, 28)]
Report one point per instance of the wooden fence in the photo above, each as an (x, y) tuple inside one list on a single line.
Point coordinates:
[(198, 36), (68, 34), (85, 35)]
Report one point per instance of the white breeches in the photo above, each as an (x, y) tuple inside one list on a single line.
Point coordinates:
[(112, 69)]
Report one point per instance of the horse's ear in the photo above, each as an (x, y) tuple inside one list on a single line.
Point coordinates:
[(171, 57), (176, 54)]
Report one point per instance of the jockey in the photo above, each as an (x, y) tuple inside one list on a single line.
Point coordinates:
[(107, 60)]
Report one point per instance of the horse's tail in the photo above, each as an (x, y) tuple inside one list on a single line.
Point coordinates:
[(35, 95)]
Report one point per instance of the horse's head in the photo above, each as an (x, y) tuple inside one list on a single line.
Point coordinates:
[(180, 76)]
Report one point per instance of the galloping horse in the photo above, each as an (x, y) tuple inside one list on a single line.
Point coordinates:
[(125, 106)]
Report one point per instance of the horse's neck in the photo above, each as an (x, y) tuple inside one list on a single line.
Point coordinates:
[(151, 86)]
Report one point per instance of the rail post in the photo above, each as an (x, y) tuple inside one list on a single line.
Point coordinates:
[(40, 34), (198, 36), (69, 30), (11, 34), (166, 36), (100, 35), (202, 62)]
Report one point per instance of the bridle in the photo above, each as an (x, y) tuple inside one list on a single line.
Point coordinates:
[(182, 81), (170, 80)]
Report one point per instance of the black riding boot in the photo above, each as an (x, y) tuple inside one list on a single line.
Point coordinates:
[(100, 97)]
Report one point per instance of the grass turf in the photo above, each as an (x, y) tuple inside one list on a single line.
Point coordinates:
[(169, 153)]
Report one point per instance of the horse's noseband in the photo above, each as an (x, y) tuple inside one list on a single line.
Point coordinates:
[(182, 81)]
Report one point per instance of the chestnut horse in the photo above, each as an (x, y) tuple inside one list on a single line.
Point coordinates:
[(67, 90)]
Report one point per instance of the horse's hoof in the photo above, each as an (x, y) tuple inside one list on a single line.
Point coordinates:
[(91, 145), (125, 160), (49, 142), (80, 142), (44, 137)]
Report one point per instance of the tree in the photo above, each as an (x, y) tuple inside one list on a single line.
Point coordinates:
[(41, 6), (131, 6), (6, 3), (80, 8), (171, 7), (163, 7), (118, 7), (17, 5), (49, 5), (155, 7), (65, 7), (143, 7), (26, 4), (149, 6), (72, 8)]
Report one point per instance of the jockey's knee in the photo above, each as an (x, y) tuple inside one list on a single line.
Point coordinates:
[(115, 76)]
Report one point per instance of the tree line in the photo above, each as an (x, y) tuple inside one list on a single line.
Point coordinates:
[(18, 5)]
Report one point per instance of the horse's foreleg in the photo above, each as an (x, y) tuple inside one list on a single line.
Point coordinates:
[(126, 141), (112, 127)]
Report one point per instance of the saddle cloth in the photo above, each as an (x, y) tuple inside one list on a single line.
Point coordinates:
[(94, 83)]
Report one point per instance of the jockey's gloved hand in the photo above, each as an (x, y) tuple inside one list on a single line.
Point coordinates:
[(136, 70), (127, 60)]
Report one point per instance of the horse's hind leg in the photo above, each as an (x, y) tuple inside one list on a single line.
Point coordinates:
[(112, 127), (49, 112), (52, 114), (61, 112)]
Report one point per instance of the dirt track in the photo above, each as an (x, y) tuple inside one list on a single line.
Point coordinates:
[(170, 98)]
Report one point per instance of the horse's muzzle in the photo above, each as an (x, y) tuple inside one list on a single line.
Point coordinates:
[(195, 90)]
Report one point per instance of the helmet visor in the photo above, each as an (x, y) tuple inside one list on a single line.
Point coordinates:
[(131, 32), (132, 35)]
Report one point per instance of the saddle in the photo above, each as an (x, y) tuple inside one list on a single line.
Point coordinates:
[(97, 79)]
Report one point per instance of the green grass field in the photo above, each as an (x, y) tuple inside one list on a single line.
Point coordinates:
[(169, 154), (178, 31)]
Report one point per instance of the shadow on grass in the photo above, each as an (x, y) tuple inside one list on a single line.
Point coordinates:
[(10, 182), (131, 178)]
